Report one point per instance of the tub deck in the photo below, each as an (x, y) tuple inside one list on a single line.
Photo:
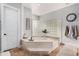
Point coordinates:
[(41, 46)]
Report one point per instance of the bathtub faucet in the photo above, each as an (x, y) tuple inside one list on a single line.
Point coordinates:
[(31, 39)]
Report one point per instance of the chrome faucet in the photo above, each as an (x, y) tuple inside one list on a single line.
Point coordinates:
[(31, 39)]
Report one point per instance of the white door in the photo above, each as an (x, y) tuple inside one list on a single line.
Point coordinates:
[(9, 27)]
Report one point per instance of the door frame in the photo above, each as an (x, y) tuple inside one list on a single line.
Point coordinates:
[(2, 22)]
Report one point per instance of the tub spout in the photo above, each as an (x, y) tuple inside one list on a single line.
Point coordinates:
[(31, 39)]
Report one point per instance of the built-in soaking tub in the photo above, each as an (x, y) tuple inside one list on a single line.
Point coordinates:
[(40, 45)]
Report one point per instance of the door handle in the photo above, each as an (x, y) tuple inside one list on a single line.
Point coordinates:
[(5, 34)]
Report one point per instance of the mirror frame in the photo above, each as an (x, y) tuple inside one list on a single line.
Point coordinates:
[(75, 16)]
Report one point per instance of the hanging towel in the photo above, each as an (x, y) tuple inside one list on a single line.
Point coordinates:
[(75, 32), (70, 35), (71, 32), (67, 31)]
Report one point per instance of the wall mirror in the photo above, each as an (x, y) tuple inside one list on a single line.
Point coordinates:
[(71, 17)]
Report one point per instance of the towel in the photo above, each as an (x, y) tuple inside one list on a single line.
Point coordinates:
[(66, 31), (75, 31), (71, 32)]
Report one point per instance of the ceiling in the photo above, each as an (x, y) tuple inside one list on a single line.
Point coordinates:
[(43, 8)]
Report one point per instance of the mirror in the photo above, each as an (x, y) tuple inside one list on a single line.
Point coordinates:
[(71, 17)]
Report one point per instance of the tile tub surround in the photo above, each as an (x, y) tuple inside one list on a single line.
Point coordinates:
[(43, 46)]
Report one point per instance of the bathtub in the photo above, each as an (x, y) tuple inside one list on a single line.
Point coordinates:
[(41, 45)]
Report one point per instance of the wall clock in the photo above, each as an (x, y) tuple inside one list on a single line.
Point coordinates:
[(71, 17)]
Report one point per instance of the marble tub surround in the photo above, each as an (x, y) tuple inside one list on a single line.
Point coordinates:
[(47, 36), (44, 46), (41, 37), (42, 40)]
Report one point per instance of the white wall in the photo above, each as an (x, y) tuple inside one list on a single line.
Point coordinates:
[(35, 25), (16, 5), (0, 27), (28, 5)]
